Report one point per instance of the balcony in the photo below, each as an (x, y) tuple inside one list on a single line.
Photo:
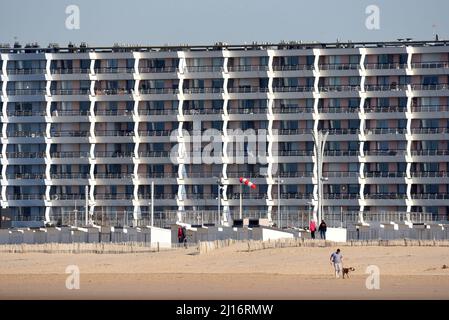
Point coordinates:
[(385, 131), (430, 108), (103, 175), (294, 131), (340, 153), (114, 154), (443, 86), (247, 68), (383, 66), (296, 153), (156, 133), (70, 154), (429, 130), (65, 196), (26, 113), (386, 196), (203, 69), (154, 154), (341, 196), (202, 90), (70, 134), (292, 89), (430, 152), (339, 66), (430, 65), (157, 112), (158, 70), (19, 176), (110, 196), (25, 134), (299, 67), (122, 112), (69, 71), (382, 174), (294, 174), (340, 174), (256, 110), (26, 71), (333, 88), (236, 195), (108, 92), (338, 110), (384, 153), (165, 196), (69, 113), (286, 109), (293, 195), (430, 196), (247, 89), (159, 91), (27, 155), (202, 111), (25, 197), (75, 175), (114, 70), (391, 87), (386, 109), (65, 92), (26, 92), (430, 174), (114, 133)]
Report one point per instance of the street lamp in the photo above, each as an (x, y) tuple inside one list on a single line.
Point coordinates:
[(219, 188), (279, 181)]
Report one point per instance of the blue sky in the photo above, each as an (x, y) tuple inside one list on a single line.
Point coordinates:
[(148, 22)]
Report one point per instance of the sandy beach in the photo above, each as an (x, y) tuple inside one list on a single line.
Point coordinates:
[(228, 273)]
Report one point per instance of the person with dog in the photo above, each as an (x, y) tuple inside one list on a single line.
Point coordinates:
[(322, 229), (312, 228), (337, 261)]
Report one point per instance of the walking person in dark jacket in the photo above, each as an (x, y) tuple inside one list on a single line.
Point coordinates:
[(322, 229)]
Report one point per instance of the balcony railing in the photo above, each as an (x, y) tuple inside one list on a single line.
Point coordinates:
[(159, 196), (157, 70), (430, 174), (429, 130), (202, 111), (114, 133), (294, 131), (430, 196), (341, 196), (27, 155), (297, 153), (293, 89), (247, 68), (385, 65), (17, 196), (442, 86), (159, 91), (59, 134), (385, 131), (114, 70), (286, 109), (294, 174), (121, 112), (430, 65), (25, 134), (110, 196), (114, 154), (202, 90), (256, 110), (293, 67), (154, 154), (108, 92), (333, 88), (247, 90), (430, 108), (250, 196), (339, 66), (64, 92), (341, 153), (384, 152), (340, 174), (64, 113), (25, 175), (65, 196), (390, 87), (75, 175), (102, 175), (69, 71), (26, 113), (25, 71), (203, 69), (146, 112), (386, 196), (70, 154), (381, 174), (379, 109), (155, 133), (338, 110), (430, 152), (26, 92)]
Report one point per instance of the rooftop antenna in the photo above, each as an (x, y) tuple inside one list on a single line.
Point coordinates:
[(435, 34)]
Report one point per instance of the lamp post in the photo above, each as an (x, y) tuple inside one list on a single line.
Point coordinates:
[(320, 141), (279, 181)]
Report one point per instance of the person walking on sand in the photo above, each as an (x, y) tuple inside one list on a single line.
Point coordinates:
[(337, 262), (312, 228), (322, 229), (180, 235)]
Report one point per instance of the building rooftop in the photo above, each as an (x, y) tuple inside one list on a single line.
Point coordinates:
[(83, 47)]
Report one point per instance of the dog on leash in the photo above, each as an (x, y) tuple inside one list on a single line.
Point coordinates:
[(346, 271)]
